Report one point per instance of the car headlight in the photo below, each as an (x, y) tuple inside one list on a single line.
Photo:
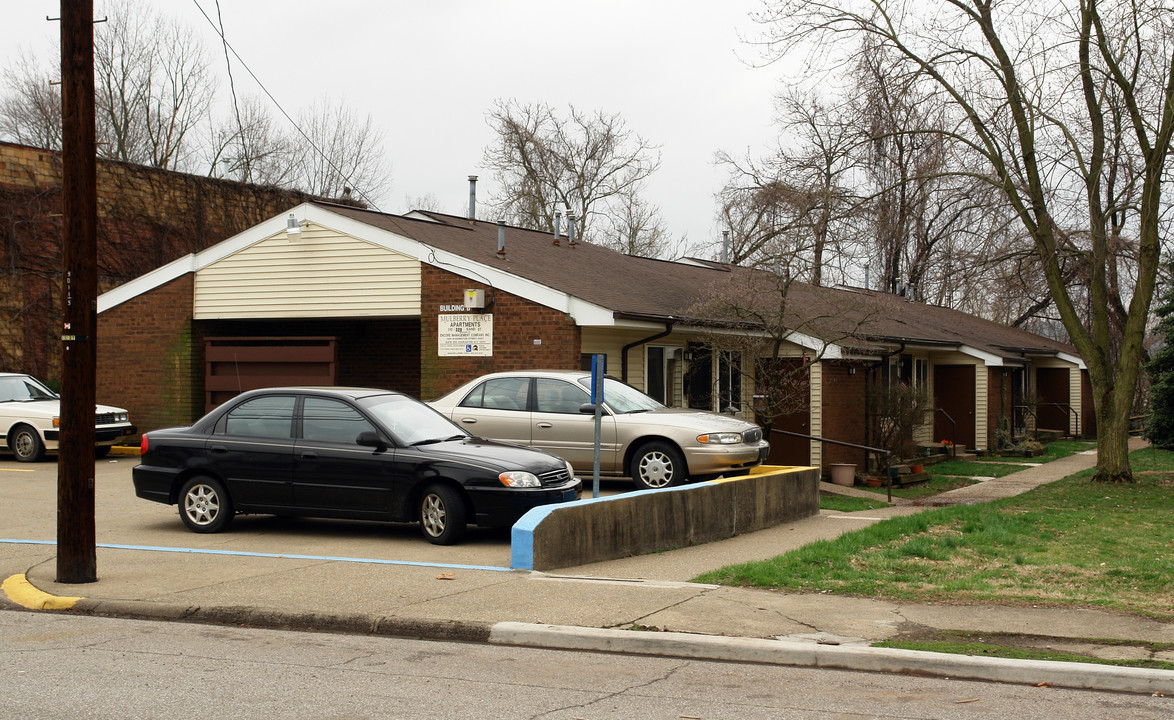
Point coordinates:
[(519, 479), (570, 470), (120, 417), (720, 438)]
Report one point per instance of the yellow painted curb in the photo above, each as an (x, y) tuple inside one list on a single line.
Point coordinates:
[(20, 591)]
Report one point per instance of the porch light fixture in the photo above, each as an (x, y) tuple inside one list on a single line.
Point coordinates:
[(292, 227)]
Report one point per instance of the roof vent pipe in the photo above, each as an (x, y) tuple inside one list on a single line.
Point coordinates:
[(501, 239), (558, 224), (472, 197), (570, 228), (725, 246)]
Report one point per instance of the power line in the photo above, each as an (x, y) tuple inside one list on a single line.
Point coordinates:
[(219, 32)]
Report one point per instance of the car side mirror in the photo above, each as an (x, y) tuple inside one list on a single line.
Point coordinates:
[(369, 438), (587, 408)]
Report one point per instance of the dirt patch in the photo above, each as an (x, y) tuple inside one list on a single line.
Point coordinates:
[(992, 643)]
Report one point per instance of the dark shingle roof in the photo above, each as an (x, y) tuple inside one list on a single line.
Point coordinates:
[(643, 287)]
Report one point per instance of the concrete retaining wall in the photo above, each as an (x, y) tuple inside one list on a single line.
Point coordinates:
[(591, 530)]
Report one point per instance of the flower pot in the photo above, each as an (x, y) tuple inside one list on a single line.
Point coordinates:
[(843, 473), (872, 481), (915, 469)]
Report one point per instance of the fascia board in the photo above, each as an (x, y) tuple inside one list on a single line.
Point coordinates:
[(144, 283), (584, 313), (988, 359), (1074, 359), (195, 261)]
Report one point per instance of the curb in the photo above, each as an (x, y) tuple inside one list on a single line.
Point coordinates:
[(1084, 676), (242, 616)]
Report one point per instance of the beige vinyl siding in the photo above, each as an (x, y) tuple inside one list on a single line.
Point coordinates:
[(981, 402), (816, 413), (320, 273)]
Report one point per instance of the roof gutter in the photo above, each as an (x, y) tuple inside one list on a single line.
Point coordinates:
[(668, 328)]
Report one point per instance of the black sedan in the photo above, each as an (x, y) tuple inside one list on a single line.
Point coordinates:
[(345, 453)]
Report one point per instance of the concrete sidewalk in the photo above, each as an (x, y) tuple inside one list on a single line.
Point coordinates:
[(639, 604)]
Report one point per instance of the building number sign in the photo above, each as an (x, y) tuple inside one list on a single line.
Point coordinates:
[(468, 334)]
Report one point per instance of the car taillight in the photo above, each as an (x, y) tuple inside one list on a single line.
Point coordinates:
[(143, 446)]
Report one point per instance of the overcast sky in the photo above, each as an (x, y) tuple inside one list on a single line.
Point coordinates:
[(428, 71)]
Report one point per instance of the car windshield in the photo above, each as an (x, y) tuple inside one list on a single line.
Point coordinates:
[(622, 398), (22, 388), (411, 422)]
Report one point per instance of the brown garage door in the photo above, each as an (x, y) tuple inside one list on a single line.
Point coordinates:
[(234, 365), (954, 394)]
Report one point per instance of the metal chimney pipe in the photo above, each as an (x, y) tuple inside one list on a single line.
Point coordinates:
[(472, 197), (558, 224), (725, 246), (500, 239), (571, 227)]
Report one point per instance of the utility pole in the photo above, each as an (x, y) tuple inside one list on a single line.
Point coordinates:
[(76, 542)]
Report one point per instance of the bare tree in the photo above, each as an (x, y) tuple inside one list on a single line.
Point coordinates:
[(250, 147), (797, 202), (771, 320), (343, 153), (153, 87), (634, 227), (30, 108), (588, 163), (1072, 111), (427, 202)]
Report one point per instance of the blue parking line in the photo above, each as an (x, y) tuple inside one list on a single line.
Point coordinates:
[(285, 556)]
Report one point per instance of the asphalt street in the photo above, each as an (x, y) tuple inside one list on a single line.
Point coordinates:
[(382, 579)]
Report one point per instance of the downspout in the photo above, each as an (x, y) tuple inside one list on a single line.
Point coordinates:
[(668, 328)]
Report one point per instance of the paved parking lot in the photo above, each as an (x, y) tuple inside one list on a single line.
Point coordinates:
[(28, 496)]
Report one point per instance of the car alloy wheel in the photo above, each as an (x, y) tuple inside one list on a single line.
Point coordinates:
[(27, 445), (442, 515), (204, 505)]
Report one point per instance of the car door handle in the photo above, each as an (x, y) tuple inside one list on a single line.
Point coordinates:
[(545, 425), (309, 456), (469, 421), (218, 449)]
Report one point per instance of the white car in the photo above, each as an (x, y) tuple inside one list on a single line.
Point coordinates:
[(30, 416)]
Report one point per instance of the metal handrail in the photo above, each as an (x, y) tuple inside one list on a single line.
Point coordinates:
[(1067, 407), (866, 448), (1030, 412), (953, 434)]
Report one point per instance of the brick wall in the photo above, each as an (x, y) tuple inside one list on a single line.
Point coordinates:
[(148, 361), (844, 412), (147, 218), (517, 324)]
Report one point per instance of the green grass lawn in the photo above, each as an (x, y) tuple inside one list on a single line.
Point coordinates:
[(1070, 542), (844, 503)]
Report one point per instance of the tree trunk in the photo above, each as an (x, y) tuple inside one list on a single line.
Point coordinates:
[(1112, 443)]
